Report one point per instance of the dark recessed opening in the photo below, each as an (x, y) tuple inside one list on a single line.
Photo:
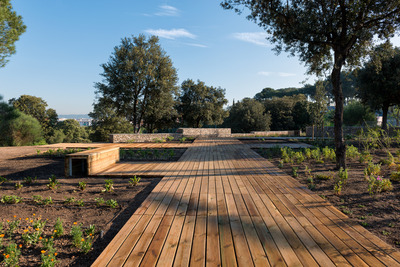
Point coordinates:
[(79, 167)]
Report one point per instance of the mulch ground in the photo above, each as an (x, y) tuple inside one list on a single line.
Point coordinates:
[(108, 221), (378, 213)]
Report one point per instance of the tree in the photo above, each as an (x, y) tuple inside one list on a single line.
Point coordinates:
[(246, 116), (282, 112), (106, 122), (200, 104), (327, 35), (355, 113), (379, 80), (73, 132), (36, 107), (139, 82), (17, 128), (11, 27), (268, 93)]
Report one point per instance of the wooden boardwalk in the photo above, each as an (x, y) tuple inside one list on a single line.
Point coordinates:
[(222, 204)]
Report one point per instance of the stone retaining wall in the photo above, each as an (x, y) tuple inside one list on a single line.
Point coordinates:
[(130, 138), (347, 130), (213, 132)]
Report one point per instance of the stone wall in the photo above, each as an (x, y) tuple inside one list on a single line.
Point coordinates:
[(130, 138), (212, 132)]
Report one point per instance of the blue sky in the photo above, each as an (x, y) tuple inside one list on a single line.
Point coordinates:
[(58, 58)]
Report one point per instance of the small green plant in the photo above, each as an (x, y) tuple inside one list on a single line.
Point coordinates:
[(82, 185), (47, 201), (329, 153), (58, 228), (112, 203), (86, 244), (386, 233), (134, 180), (53, 182), (10, 199), (346, 210), (70, 200), (99, 201), (48, 243), (76, 234), (294, 172), (12, 227), (91, 230), (170, 138), (11, 255), (280, 164), (365, 157), (299, 157), (337, 187), (395, 176), (364, 223), (3, 180), (18, 185), (109, 185), (37, 199), (49, 257), (29, 180), (352, 152), (80, 203), (372, 169), (343, 175), (378, 184), (182, 140)]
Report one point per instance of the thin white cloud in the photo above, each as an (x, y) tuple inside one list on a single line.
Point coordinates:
[(166, 10), (286, 74), (257, 38), (264, 73), (280, 74), (171, 34), (197, 45)]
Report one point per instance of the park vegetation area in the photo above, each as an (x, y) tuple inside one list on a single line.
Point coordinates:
[(139, 93)]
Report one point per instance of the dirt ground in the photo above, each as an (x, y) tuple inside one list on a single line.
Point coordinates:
[(18, 163), (378, 213)]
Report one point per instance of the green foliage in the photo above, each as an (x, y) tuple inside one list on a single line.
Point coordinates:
[(29, 179), (319, 108), (201, 105), (282, 111), (53, 182), (48, 257), (324, 176), (246, 116), (378, 78), (143, 92), (395, 176), (74, 133), (11, 255), (58, 228), (108, 186), (355, 113), (372, 169), (352, 152), (112, 203), (329, 153), (18, 185), (378, 184), (11, 27), (294, 172), (17, 128), (82, 185), (10, 199), (3, 180), (134, 180), (76, 234), (99, 201)]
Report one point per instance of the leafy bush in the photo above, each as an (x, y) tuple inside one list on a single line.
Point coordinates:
[(378, 184)]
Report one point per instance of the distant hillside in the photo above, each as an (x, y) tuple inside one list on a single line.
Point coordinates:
[(75, 116)]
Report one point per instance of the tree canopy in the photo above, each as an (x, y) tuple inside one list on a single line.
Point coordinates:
[(247, 115), (379, 81), (11, 27), (139, 83), (201, 105), (326, 35)]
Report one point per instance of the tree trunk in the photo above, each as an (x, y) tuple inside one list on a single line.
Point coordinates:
[(338, 118), (385, 110)]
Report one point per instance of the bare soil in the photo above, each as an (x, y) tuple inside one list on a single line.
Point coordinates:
[(378, 213), (18, 163)]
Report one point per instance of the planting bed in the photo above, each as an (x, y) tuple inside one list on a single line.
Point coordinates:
[(379, 213), (108, 221), (154, 154)]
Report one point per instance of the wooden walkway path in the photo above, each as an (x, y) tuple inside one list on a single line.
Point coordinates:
[(222, 204)]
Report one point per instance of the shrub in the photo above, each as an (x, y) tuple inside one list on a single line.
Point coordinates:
[(352, 152), (109, 185), (378, 184), (82, 185), (10, 199), (134, 180), (372, 169), (58, 228), (395, 176)]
